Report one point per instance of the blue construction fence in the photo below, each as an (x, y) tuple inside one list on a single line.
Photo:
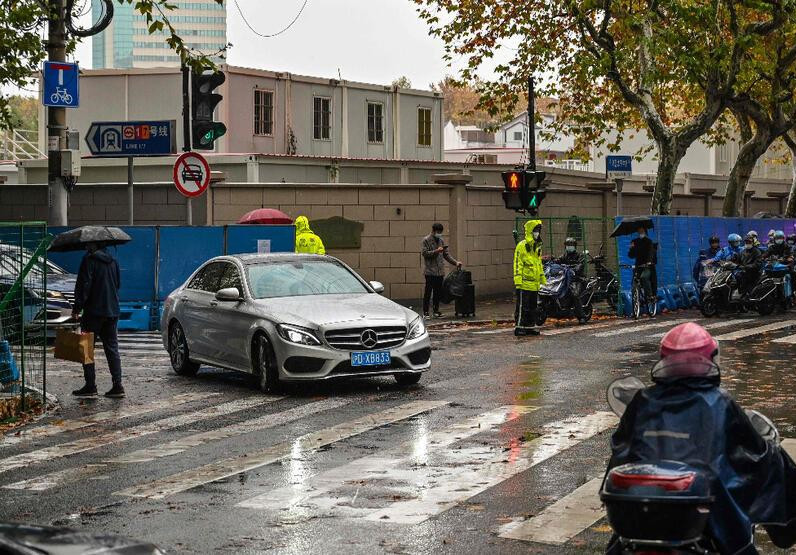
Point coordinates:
[(160, 258), (680, 238)]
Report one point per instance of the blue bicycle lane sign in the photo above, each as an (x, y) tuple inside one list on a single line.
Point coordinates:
[(61, 84)]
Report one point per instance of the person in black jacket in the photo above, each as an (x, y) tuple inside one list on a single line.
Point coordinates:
[(748, 261), (642, 249), (97, 296), (576, 262)]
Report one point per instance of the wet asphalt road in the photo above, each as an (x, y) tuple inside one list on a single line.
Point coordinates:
[(495, 434)]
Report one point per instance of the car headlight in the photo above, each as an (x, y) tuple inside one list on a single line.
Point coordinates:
[(55, 295), (295, 334), (417, 329)]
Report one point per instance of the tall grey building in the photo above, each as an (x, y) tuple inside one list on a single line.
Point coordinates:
[(126, 43)]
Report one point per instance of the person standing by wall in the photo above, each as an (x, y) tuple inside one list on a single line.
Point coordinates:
[(97, 296), (306, 241), (435, 253), (528, 278)]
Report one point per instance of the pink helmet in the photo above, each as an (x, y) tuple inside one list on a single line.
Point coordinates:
[(687, 350)]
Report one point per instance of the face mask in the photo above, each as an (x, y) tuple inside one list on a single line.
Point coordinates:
[(748, 246), (642, 235), (535, 235), (734, 245), (438, 235), (570, 248), (779, 241)]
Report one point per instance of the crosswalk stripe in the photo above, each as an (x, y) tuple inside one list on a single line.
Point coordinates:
[(561, 521), (61, 477), (90, 420), (575, 328), (789, 445), (86, 444), (755, 331), (711, 326), (186, 480), (644, 327), (789, 339), (493, 332), (317, 486), (464, 473)]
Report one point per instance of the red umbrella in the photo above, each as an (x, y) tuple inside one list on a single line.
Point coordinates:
[(266, 216)]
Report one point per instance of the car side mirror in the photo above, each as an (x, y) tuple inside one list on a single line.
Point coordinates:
[(229, 295), (377, 286)]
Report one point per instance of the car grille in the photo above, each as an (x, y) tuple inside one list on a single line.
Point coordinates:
[(70, 297), (351, 339)]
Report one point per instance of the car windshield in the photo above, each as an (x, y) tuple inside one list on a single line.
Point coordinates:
[(301, 278)]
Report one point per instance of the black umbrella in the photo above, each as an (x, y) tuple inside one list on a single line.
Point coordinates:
[(80, 237), (629, 226)]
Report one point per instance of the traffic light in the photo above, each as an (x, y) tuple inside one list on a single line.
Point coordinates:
[(523, 190), (514, 184), (203, 104)]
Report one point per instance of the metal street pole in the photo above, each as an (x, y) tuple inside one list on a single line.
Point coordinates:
[(531, 127), (58, 196), (619, 186), (186, 131), (130, 196)]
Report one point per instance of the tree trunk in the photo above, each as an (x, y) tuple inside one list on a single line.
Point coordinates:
[(669, 157), (741, 171), (790, 209)]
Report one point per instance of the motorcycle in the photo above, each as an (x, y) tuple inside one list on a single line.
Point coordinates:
[(720, 293), (662, 507), (607, 285), (554, 298), (773, 290)]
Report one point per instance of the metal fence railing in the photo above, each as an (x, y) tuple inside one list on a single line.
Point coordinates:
[(26, 305)]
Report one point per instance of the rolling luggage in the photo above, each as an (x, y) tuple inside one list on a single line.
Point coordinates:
[(465, 305)]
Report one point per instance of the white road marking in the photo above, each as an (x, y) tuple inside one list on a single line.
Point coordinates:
[(561, 521), (90, 420), (188, 479), (321, 484), (464, 473), (61, 477), (575, 328), (86, 444), (755, 331), (789, 445), (712, 326), (493, 332), (789, 339), (644, 327)]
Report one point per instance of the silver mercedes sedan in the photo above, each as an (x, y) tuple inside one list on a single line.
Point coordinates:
[(291, 317)]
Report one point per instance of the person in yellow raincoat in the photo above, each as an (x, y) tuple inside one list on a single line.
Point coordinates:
[(528, 277), (306, 241)]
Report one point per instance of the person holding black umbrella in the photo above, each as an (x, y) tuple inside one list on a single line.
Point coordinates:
[(97, 297)]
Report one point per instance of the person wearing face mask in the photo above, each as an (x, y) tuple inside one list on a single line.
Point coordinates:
[(733, 247), (748, 261), (755, 240), (576, 262), (779, 249), (435, 254), (771, 237), (528, 277), (791, 242), (642, 249), (704, 256)]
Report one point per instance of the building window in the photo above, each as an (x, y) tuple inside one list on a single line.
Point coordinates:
[(723, 153), (424, 126), (321, 118), (518, 135), (263, 112), (375, 122)]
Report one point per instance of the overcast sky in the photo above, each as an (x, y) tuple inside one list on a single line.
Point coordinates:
[(367, 40)]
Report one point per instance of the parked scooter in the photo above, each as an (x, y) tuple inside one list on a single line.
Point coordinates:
[(774, 290), (662, 507), (606, 288), (554, 298), (720, 293)]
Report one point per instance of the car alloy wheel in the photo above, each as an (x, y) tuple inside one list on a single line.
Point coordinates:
[(178, 352), (265, 368)]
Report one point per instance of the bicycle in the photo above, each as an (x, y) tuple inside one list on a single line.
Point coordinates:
[(638, 297), (62, 95)]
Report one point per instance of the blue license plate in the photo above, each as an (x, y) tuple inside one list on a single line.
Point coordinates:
[(371, 358)]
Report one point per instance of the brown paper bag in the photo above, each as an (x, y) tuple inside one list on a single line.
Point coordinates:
[(74, 346)]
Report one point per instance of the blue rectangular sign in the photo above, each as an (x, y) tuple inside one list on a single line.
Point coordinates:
[(61, 84), (115, 139), (616, 166)]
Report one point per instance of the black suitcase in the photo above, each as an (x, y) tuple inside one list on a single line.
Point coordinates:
[(465, 305)]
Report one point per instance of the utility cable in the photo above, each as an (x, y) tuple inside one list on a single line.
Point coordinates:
[(253, 30)]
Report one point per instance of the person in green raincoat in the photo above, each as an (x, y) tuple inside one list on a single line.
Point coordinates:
[(528, 278), (306, 241)]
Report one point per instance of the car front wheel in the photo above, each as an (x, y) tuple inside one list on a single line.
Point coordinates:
[(265, 365), (178, 352)]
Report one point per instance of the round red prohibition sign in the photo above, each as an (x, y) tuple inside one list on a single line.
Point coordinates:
[(191, 174)]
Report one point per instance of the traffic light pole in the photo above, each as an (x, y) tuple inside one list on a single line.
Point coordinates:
[(186, 131), (57, 195), (531, 127)]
